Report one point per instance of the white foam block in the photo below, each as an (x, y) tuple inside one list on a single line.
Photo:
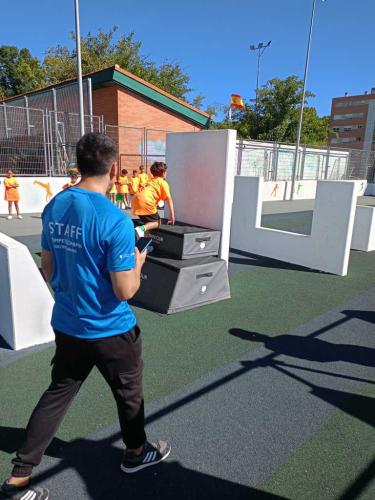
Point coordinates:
[(25, 301), (326, 249), (201, 168), (364, 229)]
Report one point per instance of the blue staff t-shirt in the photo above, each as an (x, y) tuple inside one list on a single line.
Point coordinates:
[(88, 237)]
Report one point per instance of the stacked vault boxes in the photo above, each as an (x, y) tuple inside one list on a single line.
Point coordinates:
[(184, 270)]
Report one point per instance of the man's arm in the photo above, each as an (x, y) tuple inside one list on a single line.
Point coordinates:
[(126, 283), (47, 265), (169, 202)]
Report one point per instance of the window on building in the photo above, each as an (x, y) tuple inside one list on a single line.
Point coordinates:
[(344, 104), (348, 116)]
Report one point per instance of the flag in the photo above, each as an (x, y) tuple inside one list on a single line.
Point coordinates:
[(236, 102)]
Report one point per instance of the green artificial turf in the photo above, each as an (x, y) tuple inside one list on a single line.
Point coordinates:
[(324, 467), (183, 347), (295, 222)]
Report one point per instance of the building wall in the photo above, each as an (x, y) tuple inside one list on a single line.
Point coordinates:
[(139, 126), (361, 135)]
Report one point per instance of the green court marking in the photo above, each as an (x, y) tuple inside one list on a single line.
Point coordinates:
[(181, 348), (294, 222), (337, 463)]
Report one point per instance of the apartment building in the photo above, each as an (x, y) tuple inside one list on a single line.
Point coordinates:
[(352, 122)]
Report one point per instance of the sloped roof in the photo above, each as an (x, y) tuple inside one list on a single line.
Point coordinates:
[(117, 75)]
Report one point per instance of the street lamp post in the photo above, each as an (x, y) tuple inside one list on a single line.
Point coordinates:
[(299, 129), (79, 70), (260, 48)]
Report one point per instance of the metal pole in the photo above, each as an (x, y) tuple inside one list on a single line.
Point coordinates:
[(89, 87), (5, 121), (258, 68), (79, 70), (296, 156), (27, 115)]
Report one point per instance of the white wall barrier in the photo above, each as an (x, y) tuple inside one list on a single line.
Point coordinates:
[(201, 175), (326, 249), (364, 229), (35, 193), (304, 190), (25, 301)]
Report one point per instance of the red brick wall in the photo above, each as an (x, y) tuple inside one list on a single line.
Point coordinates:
[(104, 102), (133, 114)]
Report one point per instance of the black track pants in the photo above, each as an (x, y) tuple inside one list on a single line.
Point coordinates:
[(119, 360)]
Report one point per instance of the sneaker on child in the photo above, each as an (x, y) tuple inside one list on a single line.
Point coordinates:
[(140, 231), (152, 454), (12, 492)]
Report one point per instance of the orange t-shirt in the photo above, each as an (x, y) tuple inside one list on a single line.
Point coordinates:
[(134, 185), (11, 189), (69, 184), (122, 184), (143, 179), (145, 201)]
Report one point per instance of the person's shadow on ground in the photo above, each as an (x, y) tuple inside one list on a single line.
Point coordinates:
[(312, 348), (98, 465)]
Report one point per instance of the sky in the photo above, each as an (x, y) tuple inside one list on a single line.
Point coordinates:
[(210, 39)]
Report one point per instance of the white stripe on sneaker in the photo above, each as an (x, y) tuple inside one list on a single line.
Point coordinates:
[(29, 495), (147, 457), (151, 456)]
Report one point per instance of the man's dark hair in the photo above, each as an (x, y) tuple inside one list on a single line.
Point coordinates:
[(135, 171), (124, 171), (95, 154), (158, 168)]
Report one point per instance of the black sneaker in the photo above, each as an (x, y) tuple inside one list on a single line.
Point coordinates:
[(9, 491), (152, 454)]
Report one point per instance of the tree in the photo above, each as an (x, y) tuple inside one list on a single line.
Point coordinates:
[(274, 116), (19, 71), (198, 100), (101, 50)]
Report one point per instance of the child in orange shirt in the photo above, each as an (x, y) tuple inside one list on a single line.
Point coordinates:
[(134, 183), (145, 201), (143, 177), (73, 181), (11, 194), (122, 187)]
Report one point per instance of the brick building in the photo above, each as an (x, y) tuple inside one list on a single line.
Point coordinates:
[(352, 122), (138, 114), (39, 130)]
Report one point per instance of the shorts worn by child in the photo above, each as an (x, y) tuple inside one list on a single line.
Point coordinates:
[(145, 201)]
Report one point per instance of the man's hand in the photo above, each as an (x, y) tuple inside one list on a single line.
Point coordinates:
[(171, 220), (126, 283), (140, 258)]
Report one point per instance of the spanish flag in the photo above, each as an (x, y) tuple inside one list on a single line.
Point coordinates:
[(236, 102)]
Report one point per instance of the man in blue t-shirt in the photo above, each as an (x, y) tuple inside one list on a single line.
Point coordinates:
[(90, 259)]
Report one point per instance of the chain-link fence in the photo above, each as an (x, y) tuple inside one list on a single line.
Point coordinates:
[(275, 161), (40, 142), (23, 145), (137, 146)]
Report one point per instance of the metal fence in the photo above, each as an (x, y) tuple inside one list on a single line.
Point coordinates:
[(137, 146), (40, 142), (274, 161)]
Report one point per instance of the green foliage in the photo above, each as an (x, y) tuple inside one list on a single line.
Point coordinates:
[(198, 101), (101, 50), (19, 71), (274, 115)]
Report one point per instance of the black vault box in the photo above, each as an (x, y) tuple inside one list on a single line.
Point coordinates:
[(181, 241), (169, 286)]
